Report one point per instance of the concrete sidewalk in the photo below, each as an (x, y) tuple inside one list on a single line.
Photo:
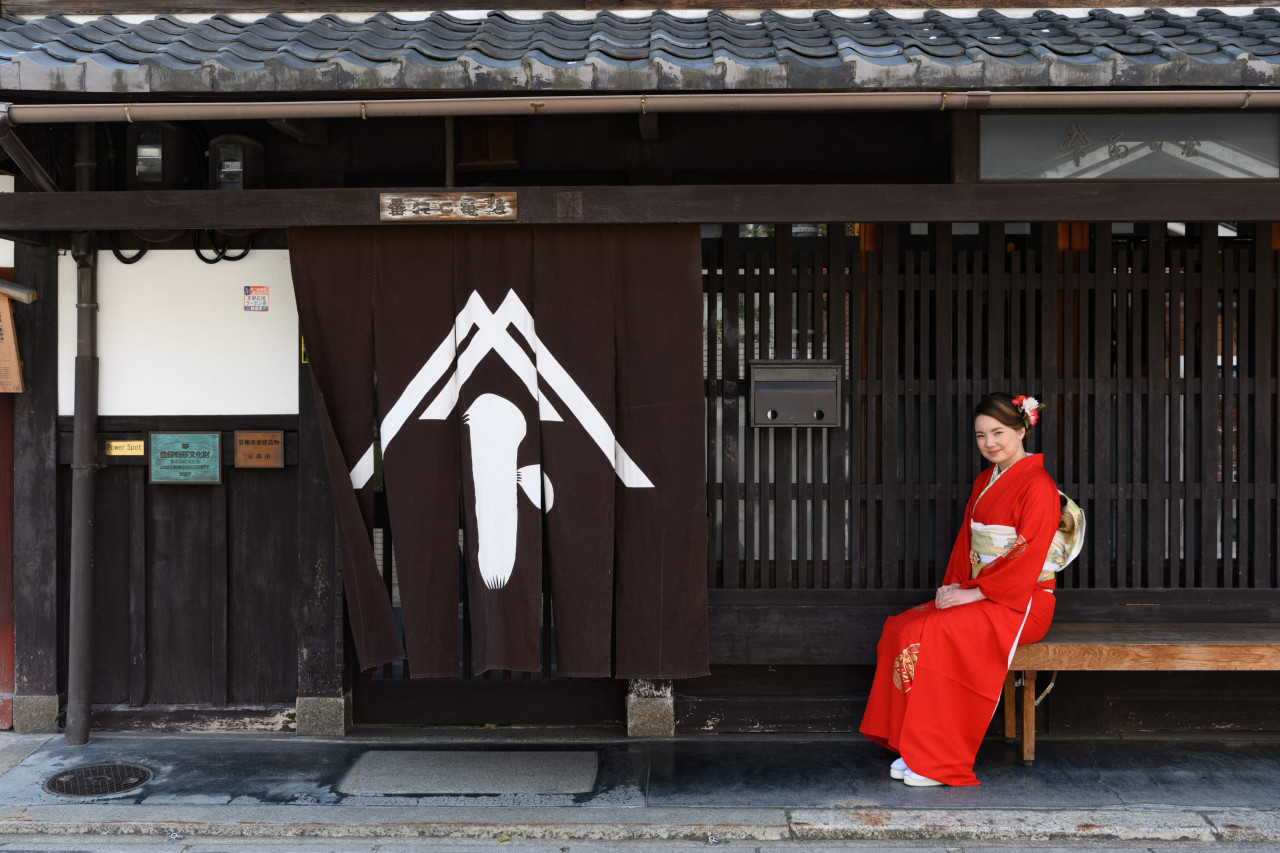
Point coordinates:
[(596, 786)]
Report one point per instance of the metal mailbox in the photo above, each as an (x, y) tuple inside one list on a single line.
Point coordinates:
[(795, 394)]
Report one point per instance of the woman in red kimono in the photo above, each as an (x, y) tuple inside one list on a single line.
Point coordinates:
[(941, 665)]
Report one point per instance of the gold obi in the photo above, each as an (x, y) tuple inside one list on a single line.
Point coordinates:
[(988, 541)]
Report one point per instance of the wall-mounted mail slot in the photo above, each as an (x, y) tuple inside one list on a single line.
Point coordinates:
[(795, 394)]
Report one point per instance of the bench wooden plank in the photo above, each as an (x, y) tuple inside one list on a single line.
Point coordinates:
[(1210, 646), (1087, 646)]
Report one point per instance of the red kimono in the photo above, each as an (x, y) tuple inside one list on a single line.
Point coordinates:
[(939, 673)]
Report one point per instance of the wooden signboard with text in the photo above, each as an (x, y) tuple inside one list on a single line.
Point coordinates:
[(10, 363), (259, 449)]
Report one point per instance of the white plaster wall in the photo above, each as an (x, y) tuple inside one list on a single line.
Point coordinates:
[(174, 338), (6, 246)]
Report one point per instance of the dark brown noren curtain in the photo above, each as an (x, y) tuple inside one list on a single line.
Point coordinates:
[(539, 388)]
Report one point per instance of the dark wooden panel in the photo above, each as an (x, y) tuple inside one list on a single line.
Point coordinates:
[(1166, 702), (111, 587), (262, 644), (137, 586), (218, 582), (35, 538), (179, 629), (197, 209)]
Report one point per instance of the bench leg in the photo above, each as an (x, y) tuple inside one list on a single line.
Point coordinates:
[(1028, 717), (1010, 710)]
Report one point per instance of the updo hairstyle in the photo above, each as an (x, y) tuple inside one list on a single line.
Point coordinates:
[(1000, 407)]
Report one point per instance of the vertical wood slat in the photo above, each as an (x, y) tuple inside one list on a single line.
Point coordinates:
[(837, 573), (946, 373), (1180, 412), (733, 375), (802, 438), (784, 287), (1155, 319), (1263, 437), (1268, 356), (218, 616), (888, 392), (1230, 384), (711, 372), (753, 503), (764, 438), (856, 433), (1099, 389), (1124, 418), (904, 400), (137, 585), (1207, 570), (1085, 438)]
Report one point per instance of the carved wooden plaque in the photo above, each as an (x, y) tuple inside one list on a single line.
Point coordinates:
[(447, 207), (10, 364), (259, 449)]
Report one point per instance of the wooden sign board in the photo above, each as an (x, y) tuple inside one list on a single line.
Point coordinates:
[(259, 449), (186, 457), (10, 363), (447, 207)]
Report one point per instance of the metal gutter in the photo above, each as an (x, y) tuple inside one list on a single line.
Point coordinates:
[(560, 104)]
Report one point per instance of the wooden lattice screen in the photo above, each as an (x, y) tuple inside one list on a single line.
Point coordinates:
[(1154, 349)]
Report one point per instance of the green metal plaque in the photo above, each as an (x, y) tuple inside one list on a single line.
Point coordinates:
[(186, 457)]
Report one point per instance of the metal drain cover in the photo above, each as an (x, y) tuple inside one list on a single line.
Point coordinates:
[(97, 780)]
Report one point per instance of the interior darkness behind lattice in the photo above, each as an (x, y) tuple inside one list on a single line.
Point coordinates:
[(1153, 346)]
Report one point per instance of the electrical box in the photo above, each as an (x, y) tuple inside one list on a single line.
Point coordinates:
[(795, 394), (157, 157), (236, 163)]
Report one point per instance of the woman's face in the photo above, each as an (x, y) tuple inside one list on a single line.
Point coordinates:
[(999, 443)]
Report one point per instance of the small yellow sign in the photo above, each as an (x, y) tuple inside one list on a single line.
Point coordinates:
[(128, 447)]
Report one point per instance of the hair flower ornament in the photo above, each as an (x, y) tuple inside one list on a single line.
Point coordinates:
[(1030, 408)]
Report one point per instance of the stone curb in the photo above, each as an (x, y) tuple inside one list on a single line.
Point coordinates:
[(1151, 823)]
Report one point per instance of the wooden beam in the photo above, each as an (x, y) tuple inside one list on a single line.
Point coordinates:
[(978, 202)]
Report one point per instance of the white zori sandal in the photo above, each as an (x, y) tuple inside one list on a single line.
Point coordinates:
[(898, 769), (915, 780)]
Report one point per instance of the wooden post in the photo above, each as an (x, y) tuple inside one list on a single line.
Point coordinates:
[(1028, 716), (35, 484), (323, 706)]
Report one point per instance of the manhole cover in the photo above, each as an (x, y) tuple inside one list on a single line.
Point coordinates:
[(97, 780)]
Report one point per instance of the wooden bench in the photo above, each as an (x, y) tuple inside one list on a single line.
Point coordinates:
[(1147, 647)]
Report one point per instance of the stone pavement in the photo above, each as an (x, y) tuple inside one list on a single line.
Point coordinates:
[(592, 790)]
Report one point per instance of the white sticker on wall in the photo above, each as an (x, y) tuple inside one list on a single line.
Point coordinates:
[(256, 298)]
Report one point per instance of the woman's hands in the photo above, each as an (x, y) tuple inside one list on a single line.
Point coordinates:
[(952, 595)]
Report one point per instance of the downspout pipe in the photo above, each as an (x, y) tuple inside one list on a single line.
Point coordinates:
[(84, 468), (560, 104)]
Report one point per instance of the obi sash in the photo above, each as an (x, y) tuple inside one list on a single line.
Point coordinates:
[(991, 541)]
